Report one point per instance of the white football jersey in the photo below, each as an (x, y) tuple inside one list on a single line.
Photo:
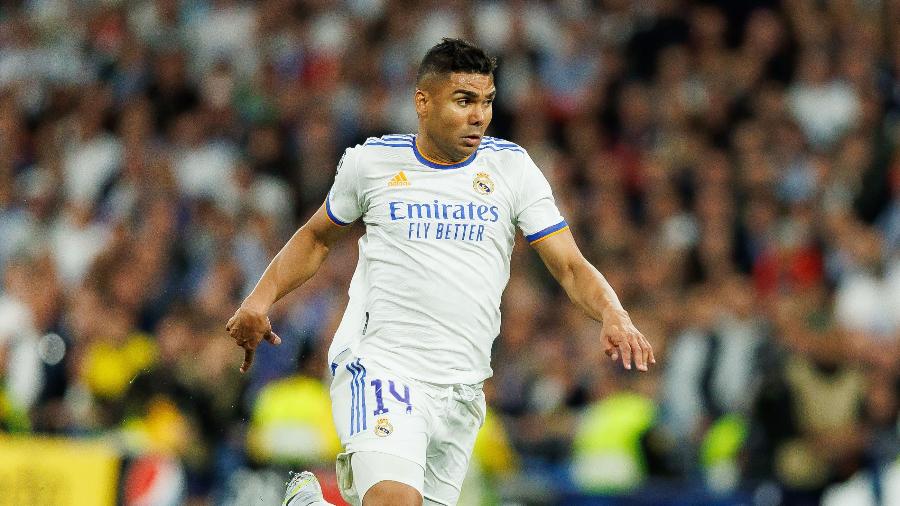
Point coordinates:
[(433, 263)]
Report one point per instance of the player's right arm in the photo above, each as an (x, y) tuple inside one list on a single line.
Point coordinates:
[(298, 260)]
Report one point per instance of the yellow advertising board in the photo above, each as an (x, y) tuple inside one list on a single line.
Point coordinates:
[(57, 472)]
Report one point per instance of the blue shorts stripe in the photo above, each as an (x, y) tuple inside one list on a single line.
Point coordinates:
[(362, 390), (352, 398), (359, 414)]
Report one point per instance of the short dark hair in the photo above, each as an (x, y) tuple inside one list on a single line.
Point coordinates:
[(455, 55)]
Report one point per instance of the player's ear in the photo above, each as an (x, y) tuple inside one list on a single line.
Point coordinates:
[(422, 100)]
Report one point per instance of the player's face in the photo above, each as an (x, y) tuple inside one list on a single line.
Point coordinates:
[(457, 112)]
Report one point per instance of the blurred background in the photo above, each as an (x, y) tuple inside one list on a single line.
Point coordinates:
[(733, 168)]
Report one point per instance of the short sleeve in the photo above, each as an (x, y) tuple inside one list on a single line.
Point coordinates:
[(537, 215), (343, 202)]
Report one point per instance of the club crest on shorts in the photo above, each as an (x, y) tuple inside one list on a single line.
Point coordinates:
[(383, 427), (483, 184)]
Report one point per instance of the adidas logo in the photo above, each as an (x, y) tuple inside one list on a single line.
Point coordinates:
[(399, 180)]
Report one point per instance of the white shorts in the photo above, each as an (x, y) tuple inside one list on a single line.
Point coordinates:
[(432, 426)]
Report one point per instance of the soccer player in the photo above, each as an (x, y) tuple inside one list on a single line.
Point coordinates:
[(441, 209)]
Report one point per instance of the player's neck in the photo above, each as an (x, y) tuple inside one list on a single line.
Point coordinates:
[(431, 151)]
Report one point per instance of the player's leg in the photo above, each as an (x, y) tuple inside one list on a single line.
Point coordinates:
[(304, 490), (450, 448), (387, 493), (382, 479), (383, 422)]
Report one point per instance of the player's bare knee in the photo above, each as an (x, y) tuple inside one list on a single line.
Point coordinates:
[(392, 493)]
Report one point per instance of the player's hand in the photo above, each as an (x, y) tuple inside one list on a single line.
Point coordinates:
[(622, 339), (248, 328)]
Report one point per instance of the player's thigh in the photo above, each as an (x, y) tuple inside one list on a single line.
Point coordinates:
[(380, 412), (382, 479), (377, 410), (450, 451)]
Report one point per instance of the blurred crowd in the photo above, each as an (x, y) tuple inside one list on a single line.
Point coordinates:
[(733, 168)]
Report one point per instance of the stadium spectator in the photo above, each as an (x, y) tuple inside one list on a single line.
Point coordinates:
[(154, 154)]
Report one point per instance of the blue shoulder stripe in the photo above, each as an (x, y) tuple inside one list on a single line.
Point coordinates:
[(389, 144), (500, 142), (334, 219), (547, 232), (397, 136), (496, 148)]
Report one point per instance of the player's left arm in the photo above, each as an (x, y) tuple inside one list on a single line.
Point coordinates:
[(588, 289)]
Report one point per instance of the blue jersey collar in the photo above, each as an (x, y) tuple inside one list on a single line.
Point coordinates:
[(437, 165)]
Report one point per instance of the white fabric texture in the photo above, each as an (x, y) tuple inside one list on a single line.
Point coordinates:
[(432, 427), (425, 297)]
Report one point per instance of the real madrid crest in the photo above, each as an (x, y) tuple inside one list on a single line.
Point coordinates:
[(483, 184), (383, 427)]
